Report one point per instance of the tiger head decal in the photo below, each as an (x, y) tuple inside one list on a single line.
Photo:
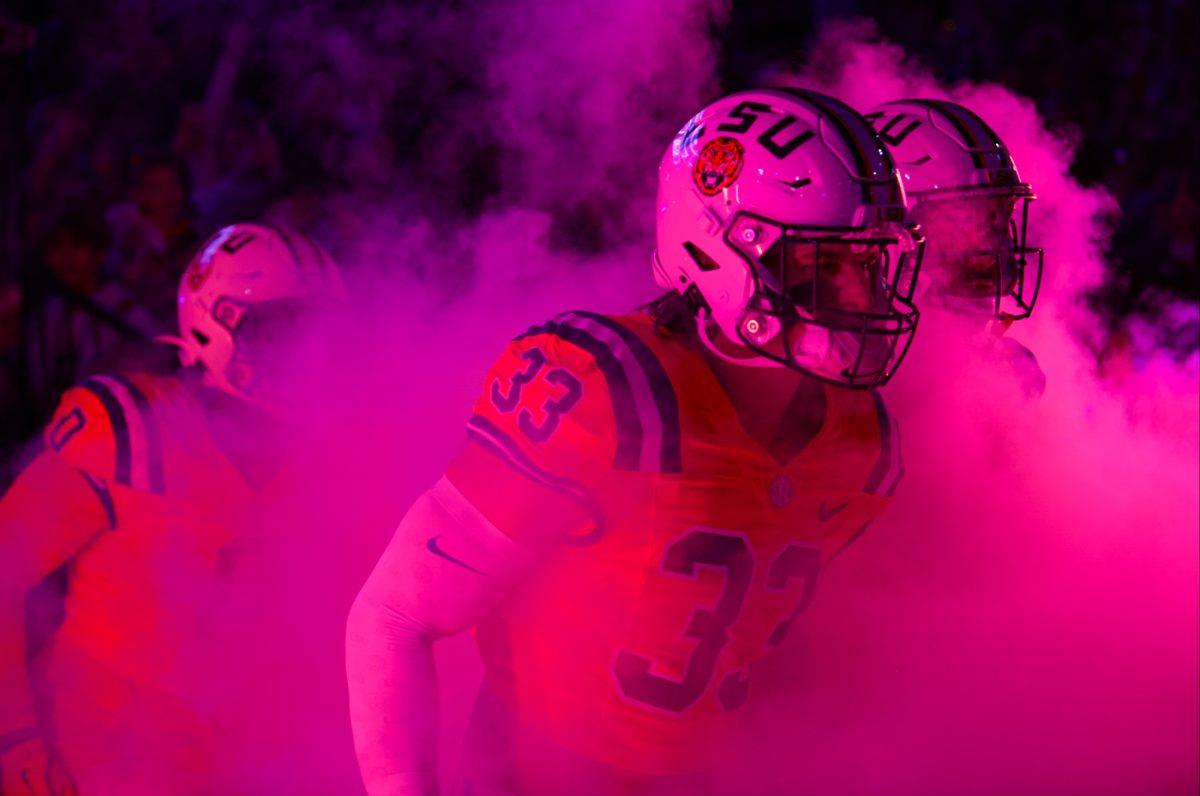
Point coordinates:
[(719, 165)]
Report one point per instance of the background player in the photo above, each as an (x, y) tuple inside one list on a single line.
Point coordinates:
[(644, 501), (139, 520), (964, 192)]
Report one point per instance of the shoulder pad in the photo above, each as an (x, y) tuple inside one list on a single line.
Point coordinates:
[(579, 394), (106, 426)]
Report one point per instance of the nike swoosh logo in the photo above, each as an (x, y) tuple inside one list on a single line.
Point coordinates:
[(432, 546), (827, 515)]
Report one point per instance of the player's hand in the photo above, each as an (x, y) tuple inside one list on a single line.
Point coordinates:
[(28, 768)]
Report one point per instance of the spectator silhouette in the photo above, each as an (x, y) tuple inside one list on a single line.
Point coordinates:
[(153, 236), (76, 322)]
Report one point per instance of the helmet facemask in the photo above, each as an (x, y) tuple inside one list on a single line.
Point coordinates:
[(979, 261), (783, 210), (270, 338), (834, 304)]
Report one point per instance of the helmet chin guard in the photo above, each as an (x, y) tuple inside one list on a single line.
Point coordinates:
[(785, 212), (706, 329)]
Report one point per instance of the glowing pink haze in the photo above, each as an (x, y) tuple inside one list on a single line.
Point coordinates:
[(1024, 618)]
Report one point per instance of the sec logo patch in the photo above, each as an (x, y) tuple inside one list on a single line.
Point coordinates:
[(719, 165)]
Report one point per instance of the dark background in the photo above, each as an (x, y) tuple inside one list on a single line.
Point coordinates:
[(131, 129)]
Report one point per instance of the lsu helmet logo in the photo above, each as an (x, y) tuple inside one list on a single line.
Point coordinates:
[(719, 165)]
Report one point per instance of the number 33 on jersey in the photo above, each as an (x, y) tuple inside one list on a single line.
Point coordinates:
[(689, 550)]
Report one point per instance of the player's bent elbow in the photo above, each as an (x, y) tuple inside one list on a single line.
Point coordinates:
[(374, 625)]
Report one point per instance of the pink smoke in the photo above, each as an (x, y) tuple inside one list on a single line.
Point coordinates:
[(580, 104), (1024, 618)]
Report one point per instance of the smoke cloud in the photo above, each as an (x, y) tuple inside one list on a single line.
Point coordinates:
[(1024, 617)]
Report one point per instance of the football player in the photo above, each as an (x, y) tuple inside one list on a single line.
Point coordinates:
[(644, 501), (131, 513), (964, 192)]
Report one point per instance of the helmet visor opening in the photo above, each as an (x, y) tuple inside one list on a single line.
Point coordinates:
[(836, 305), (831, 278), (978, 260)]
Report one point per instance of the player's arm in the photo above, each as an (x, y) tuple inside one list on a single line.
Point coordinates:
[(56, 506), (448, 565), (49, 513), (539, 436), (445, 569)]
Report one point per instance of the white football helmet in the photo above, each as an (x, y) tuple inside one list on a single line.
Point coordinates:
[(249, 291), (781, 217), (965, 194)]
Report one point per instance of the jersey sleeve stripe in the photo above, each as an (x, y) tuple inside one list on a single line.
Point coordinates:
[(153, 435), (889, 468), (644, 402), (649, 426), (501, 445), (658, 403), (138, 423), (629, 425), (104, 496), (120, 427)]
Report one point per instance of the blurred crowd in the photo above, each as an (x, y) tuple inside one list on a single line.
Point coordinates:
[(133, 128), (132, 131)]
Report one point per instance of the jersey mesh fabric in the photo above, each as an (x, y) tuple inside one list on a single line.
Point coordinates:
[(698, 549)]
